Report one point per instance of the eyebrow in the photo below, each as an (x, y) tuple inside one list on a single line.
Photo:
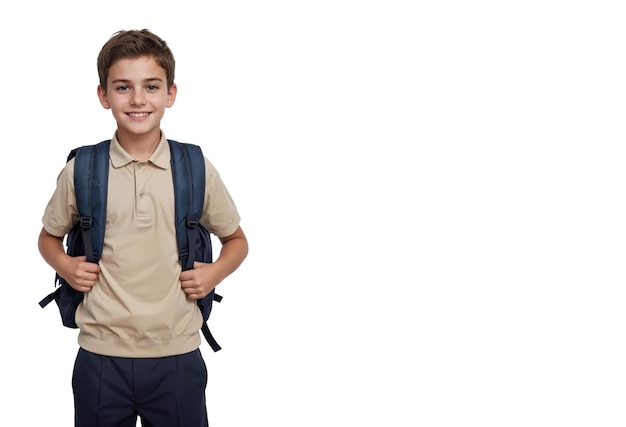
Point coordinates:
[(149, 80)]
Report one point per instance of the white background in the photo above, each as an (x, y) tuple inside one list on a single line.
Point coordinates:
[(433, 193)]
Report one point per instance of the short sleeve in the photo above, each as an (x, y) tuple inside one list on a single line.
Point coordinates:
[(220, 215), (60, 213)]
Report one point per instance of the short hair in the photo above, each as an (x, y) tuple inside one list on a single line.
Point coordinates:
[(135, 44)]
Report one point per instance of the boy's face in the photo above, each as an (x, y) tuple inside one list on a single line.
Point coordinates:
[(137, 95)]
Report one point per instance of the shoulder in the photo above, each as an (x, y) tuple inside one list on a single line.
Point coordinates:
[(209, 167), (67, 173)]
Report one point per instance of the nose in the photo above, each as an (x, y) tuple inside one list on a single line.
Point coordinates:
[(137, 98)]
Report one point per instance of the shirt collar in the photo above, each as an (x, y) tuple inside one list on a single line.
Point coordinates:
[(160, 158)]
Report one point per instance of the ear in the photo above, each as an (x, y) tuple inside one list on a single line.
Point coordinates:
[(102, 96), (171, 95)]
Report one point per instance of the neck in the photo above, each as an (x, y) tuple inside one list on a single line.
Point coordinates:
[(140, 147)]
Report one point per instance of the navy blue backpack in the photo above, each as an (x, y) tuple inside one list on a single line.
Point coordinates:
[(91, 171)]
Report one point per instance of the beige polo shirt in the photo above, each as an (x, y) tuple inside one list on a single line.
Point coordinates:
[(137, 308)]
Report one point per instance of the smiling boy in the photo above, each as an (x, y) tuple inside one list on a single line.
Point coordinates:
[(139, 323)]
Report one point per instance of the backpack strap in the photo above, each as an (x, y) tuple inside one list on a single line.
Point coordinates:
[(189, 179), (91, 174), (188, 173)]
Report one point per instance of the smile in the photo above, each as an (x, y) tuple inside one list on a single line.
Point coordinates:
[(138, 115)]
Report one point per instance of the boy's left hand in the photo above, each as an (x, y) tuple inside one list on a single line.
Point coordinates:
[(197, 283)]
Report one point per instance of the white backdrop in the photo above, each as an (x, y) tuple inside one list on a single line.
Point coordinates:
[(433, 193)]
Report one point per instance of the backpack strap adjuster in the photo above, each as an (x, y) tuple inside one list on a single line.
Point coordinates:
[(192, 222), (86, 222)]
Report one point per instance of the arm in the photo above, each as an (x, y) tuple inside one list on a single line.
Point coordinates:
[(80, 274), (197, 283)]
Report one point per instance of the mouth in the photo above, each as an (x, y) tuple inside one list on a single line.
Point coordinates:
[(138, 115)]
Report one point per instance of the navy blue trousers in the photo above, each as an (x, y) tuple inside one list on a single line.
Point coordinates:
[(162, 392)]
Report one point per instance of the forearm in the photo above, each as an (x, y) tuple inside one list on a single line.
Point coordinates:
[(51, 249), (233, 253)]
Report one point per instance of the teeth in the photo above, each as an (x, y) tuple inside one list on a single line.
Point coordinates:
[(137, 114)]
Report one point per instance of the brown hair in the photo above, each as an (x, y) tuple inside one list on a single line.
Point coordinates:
[(134, 44)]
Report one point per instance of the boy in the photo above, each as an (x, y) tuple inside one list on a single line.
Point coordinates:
[(139, 322)]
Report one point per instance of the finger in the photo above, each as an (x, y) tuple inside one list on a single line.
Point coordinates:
[(91, 276), (92, 268)]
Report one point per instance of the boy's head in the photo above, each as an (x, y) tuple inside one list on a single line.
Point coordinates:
[(135, 44)]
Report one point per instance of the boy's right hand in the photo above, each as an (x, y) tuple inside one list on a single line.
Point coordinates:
[(81, 274)]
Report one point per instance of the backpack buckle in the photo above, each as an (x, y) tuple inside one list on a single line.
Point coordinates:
[(192, 222), (86, 222)]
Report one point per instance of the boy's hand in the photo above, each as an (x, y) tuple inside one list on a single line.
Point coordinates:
[(80, 274), (197, 283)]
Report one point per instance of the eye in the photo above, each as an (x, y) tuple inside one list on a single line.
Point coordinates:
[(121, 88), (152, 88)]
